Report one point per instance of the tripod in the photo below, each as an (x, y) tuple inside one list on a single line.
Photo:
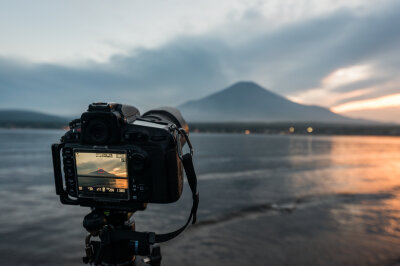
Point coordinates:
[(119, 244)]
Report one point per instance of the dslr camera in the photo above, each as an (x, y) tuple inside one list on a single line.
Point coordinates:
[(114, 158)]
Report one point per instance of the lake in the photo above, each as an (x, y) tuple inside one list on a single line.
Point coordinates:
[(264, 200)]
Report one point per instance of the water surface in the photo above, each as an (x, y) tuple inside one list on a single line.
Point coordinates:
[(265, 200)]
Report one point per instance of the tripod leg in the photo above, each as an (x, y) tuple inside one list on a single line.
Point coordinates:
[(155, 258)]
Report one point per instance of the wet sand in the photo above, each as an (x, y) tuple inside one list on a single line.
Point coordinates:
[(293, 234)]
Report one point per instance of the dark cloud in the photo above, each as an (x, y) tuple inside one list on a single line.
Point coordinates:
[(297, 57), (288, 60), (168, 75)]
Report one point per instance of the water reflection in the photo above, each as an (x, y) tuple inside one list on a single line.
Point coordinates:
[(306, 199), (349, 165), (364, 169)]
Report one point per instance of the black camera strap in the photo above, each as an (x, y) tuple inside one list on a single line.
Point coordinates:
[(149, 238), (192, 180)]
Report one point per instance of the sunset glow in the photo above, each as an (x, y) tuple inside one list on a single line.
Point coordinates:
[(347, 75), (342, 91), (392, 100), (327, 95), (119, 172)]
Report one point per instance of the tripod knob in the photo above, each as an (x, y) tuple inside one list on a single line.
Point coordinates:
[(139, 248), (94, 221)]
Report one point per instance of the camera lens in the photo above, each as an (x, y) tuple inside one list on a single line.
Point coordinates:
[(98, 131)]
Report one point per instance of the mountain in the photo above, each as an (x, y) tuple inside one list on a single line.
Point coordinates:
[(101, 172), (23, 118), (249, 102), (241, 102)]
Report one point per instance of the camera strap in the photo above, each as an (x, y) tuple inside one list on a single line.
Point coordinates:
[(150, 238), (187, 161), (192, 180)]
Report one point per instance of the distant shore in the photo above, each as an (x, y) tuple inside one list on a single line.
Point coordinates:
[(257, 128), (297, 128), (33, 125)]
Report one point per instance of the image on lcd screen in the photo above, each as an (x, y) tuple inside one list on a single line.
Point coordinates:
[(102, 175)]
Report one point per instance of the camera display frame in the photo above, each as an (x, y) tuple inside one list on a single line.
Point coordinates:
[(101, 196)]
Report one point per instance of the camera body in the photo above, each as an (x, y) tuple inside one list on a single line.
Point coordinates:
[(114, 158)]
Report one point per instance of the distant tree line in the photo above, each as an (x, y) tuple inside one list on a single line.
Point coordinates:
[(251, 128), (31, 124), (297, 128)]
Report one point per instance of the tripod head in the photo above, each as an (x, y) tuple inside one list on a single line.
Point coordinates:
[(119, 243)]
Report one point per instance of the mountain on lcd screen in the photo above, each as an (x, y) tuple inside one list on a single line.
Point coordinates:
[(101, 172), (248, 102)]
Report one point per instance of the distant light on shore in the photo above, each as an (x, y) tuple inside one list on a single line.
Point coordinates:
[(247, 132), (310, 129), (291, 129)]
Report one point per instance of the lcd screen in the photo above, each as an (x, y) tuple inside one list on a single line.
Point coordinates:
[(102, 175)]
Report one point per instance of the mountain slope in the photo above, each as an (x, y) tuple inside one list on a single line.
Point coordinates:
[(248, 102), (23, 118)]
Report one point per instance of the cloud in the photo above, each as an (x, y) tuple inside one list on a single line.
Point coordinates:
[(298, 57), (291, 60), (387, 101), (385, 114)]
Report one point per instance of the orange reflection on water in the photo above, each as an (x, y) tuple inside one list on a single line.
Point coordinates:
[(366, 164), (362, 174), (347, 164), (120, 183), (392, 214)]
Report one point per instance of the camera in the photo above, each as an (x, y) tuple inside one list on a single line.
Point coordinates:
[(114, 158)]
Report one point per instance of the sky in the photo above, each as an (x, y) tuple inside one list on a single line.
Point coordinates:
[(59, 56)]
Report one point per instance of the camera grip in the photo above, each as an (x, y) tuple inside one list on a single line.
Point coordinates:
[(58, 179), (56, 149)]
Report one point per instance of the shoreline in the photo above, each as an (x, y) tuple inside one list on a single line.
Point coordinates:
[(380, 131)]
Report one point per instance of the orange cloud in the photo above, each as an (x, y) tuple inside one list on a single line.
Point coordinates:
[(392, 100), (326, 95)]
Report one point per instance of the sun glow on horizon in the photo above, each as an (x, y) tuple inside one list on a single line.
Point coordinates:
[(392, 100), (348, 100)]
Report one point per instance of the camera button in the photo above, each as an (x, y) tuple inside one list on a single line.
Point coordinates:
[(67, 151), (68, 171), (141, 196), (136, 136), (138, 160), (158, 138)]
